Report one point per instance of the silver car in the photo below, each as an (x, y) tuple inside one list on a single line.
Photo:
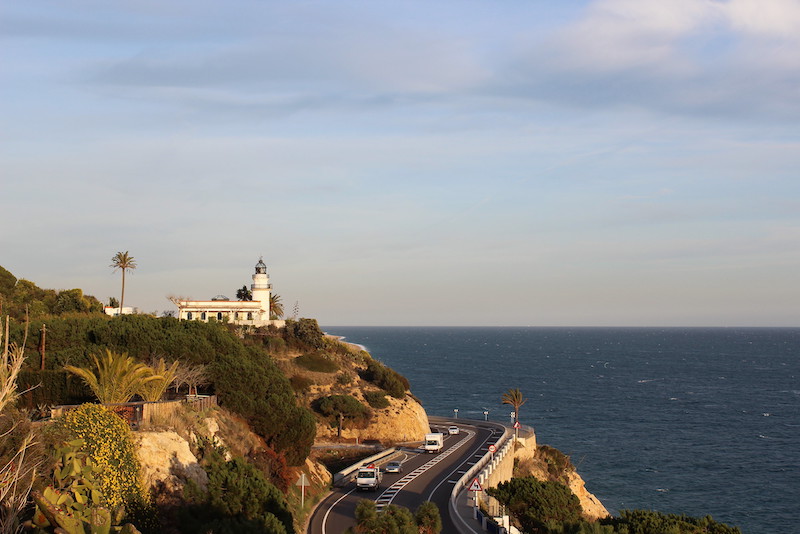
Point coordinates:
[(453, 430), (393, 467)]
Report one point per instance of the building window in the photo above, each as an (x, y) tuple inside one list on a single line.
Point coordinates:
[(249, 316), (203, 316), (219, 316), (235, 316), (189, 315)]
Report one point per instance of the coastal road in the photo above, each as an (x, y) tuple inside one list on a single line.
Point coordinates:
[(425, 477)]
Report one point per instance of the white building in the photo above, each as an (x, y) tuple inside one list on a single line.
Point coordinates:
[(127, 310), (244, 312)]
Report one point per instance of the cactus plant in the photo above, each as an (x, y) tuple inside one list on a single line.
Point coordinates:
[(74, 504)]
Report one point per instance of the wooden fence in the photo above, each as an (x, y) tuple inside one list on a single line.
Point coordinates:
[(136, 413)]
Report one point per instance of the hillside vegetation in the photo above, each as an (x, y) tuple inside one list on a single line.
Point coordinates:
[(19, 297), (240, 372)]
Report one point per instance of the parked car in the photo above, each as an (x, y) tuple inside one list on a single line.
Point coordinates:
[(453, 430), (393, 467)]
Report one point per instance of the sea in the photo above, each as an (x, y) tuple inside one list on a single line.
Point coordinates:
[(695, 421)]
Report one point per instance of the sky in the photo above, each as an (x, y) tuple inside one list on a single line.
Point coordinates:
[(601, 163)]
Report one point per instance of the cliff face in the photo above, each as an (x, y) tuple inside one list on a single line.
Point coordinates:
[(404, 420), (168, 463), (593, 509), (543, 464)]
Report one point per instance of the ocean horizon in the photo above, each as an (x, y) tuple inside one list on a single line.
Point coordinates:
[(697, 421)]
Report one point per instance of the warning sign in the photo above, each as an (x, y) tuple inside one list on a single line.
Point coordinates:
[(475, 486), (492, 448), (517, 425)]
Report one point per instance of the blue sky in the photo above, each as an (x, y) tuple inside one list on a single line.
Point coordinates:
[(617, 162)]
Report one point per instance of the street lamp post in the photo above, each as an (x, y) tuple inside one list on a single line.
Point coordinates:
[(486, 415), (455, 413), (513, 415)]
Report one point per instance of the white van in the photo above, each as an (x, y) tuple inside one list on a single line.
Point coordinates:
[(368, 478), (433, 442)]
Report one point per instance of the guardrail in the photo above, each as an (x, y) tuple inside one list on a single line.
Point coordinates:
[(485, 465), (345, 475)]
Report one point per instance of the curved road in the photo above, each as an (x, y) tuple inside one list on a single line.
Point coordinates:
[(425, 477)]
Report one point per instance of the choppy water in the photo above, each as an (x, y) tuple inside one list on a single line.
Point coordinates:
[(694, 421)]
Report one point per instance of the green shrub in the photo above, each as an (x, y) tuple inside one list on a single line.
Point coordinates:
[(239, 499), (304, 333), (396, 519), (558, 463), (319, 362), (344, 378), (52, 387), (647, 521), (385, 378), (261, 393), (301, 383), (347, 405), (377, 399), (536, 504)]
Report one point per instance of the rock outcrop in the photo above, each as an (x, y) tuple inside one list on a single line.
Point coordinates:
[(593, 509), (167, 461), (404, 420), (532, 464)]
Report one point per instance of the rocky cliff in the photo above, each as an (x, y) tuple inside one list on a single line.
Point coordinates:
[(404, 420), (547, 463)]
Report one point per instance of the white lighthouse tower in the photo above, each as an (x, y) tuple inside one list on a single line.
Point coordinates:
[(260, 288), (253, 312)]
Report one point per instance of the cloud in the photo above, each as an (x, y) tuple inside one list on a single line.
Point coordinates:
[(688, 57)]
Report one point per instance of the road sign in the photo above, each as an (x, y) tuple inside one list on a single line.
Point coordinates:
[(475, 486), (517, 425), (492, 448), (302, 482)]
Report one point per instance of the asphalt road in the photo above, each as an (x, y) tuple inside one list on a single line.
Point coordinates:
[(425, 477)]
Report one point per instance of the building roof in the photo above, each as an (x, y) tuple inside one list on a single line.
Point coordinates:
[(219, 304)]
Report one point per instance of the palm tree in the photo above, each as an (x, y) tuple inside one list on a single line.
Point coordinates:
[(244, 294), (124, 262), (275, 306), (514, 398), (153, 390), (119, 377)]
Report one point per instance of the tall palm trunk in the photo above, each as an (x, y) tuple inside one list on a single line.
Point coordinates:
[(122, 296)]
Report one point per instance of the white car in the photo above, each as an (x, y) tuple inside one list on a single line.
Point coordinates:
[(453, 430)]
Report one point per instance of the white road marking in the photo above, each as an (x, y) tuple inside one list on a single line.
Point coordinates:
[(325, 517)]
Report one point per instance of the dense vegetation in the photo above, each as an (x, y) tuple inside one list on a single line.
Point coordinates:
[(242, 374), (549, 507), (396, 519), (535, 504), (239, 499), (317, 361), (19, 296), (347, 406), (376, 399), (385, 378)]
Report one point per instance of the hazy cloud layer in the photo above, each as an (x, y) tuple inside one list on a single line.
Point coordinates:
[(608, 162)]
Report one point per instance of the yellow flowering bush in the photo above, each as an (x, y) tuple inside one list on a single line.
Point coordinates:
[(109, 444)]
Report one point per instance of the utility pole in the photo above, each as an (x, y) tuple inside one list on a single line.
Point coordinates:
[(42, 342)]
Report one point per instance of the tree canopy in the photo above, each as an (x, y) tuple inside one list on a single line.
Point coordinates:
[(123, 261), (534, 504)]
